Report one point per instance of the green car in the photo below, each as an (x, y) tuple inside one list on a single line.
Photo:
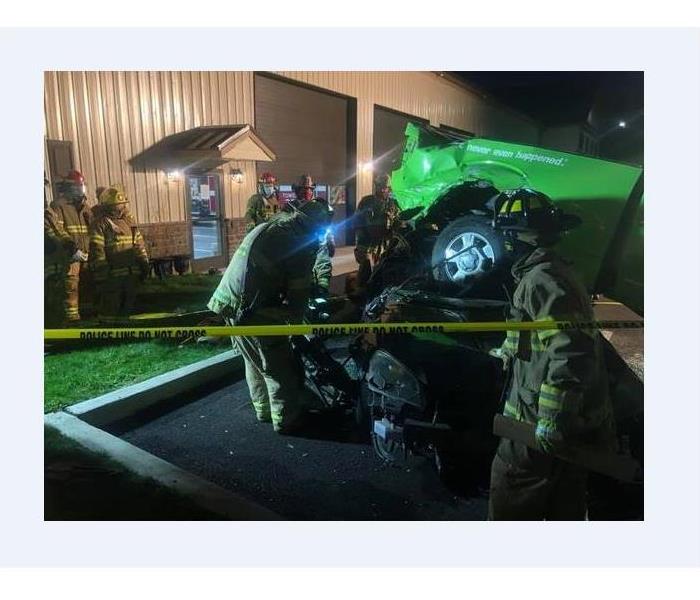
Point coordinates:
[(443, 187)]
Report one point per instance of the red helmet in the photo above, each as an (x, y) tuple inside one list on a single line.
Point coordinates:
[(73, 185), (267, 178), (75, 177)]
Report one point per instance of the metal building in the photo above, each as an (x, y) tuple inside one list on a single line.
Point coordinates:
[(188, 146)]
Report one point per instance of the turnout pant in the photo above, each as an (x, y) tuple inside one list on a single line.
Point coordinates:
[(527, 485), (117, 295), (274, 382), (86, 292), (54, 297), (71, 311)]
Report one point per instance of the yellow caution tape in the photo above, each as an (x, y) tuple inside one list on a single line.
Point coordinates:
[(148, 333)]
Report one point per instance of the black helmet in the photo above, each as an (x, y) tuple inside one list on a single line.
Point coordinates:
[(528, 210)]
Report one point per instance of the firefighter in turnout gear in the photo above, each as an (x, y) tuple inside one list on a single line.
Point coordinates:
[(73, 216), (558, 378), (59, 248), (305, 192), (117, 253), (263, 205), (269, 282), (375, 216)]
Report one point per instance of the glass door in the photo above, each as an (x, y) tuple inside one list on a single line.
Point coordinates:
[(206, 217)]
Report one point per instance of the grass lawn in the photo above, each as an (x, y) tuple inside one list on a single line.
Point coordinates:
[(78, 375), (177, 293), (71, 377), (83, 485)]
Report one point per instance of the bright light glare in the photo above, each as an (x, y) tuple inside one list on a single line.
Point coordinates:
[(622, 124), (367, 167)]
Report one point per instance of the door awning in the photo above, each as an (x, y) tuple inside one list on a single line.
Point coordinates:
[(204, 148)]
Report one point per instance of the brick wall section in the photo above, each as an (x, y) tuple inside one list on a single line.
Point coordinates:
[(234, 232), (165, 240)]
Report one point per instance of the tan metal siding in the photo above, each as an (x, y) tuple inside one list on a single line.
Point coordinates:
[(112, 116)]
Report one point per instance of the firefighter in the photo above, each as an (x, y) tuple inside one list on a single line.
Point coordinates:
[(304, 192), (269, 282), (375, 216), (117, 253), (74, 216), (59, 251), (558, 380), (264, 204)]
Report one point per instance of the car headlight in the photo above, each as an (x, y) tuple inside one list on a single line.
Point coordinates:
[(391, 378)]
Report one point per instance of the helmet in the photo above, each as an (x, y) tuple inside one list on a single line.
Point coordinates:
[(75, 177), (73, 185), (267, 178), (305, 181), (382, 181), (266, 184), (113, 195), (382, 186), (527, 210), (304, 188)]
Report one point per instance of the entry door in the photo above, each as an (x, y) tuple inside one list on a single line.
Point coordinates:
[(206, 202)]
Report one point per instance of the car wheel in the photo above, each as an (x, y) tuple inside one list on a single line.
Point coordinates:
[(467, 250)]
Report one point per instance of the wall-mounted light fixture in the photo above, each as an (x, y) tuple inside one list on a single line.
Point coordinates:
[(173, 175), (236, 176)]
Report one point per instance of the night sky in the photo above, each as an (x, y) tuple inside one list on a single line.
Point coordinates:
[(601, 98)]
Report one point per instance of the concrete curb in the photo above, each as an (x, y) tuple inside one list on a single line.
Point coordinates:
[(129, 400), (203, 493)]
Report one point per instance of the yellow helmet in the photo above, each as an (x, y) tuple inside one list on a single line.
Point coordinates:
[(114, 194)]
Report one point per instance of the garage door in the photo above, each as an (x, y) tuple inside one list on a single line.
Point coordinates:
[(307, 130), (388, 138)]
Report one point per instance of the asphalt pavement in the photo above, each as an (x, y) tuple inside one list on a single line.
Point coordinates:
[(326, 472)]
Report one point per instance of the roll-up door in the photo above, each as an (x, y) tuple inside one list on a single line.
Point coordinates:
[(308, 131)]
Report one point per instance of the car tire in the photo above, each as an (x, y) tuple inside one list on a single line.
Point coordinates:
[(488, 253)]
